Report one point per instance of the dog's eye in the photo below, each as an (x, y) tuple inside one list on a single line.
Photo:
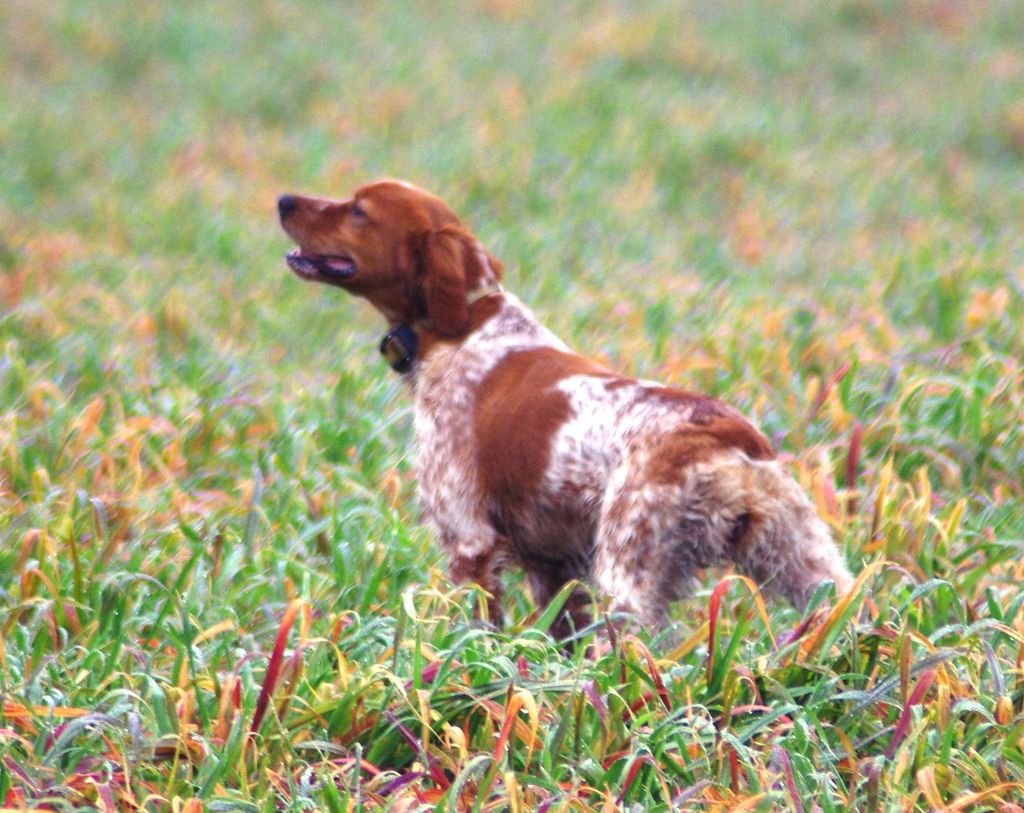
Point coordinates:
[(357, 211)]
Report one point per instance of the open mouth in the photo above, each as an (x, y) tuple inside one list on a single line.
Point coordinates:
[(314, 266)]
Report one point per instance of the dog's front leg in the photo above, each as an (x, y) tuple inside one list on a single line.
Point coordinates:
[(482, 569), (477, 559)]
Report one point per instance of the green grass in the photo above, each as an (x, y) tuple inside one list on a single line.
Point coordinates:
[(206, 516)]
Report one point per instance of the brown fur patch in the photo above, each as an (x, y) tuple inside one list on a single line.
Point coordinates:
[(692, 443), (518, 411), (703, 408), (479, 312)]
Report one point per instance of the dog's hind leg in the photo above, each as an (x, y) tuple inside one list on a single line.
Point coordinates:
[(639, 561)]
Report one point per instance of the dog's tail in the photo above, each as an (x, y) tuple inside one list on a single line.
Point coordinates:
[(770, 529)]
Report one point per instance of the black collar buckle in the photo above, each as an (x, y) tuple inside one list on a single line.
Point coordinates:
[(399, 347)]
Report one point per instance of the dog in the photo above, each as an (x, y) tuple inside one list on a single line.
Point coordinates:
[(528, 453)]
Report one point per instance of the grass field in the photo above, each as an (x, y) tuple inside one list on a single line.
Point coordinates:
[(813, 210)]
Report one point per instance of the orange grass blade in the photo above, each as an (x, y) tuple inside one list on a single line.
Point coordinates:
[(816, 639), (652, 669), (512, 707), (1015, 790), (216, 629), (18, 711)]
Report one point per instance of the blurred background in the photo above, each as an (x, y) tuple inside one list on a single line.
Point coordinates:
[(729, 195), (622, 158), (813, 210)]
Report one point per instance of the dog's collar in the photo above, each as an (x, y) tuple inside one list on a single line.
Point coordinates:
[(399, 347), (400, 344)]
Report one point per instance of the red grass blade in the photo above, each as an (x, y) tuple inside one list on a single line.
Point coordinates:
[(523, 667), (659, 685), (714, 605), (852, 462), (590, 690), (434, 770), (274, 666), (923, 684), (631, 774), (780, 755), (734, 770), (838, 376)]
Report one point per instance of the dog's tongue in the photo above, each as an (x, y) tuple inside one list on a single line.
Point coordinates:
[(338, 265)]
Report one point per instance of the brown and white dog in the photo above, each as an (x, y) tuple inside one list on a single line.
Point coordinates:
[(529, 453)]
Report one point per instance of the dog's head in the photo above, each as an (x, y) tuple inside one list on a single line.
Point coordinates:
[(399, 247)]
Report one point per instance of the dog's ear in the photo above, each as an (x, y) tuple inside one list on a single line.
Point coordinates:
[(448, 264)]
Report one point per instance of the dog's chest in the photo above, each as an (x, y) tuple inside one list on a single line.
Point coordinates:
[(447, 385), (443, 433)]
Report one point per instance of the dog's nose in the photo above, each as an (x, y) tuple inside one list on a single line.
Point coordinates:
[(286, 204)]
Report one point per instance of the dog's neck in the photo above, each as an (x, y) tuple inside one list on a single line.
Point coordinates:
[(404, 343)]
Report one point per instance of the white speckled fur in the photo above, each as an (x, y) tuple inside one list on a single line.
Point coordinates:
[(641, 541), (445, 388)]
